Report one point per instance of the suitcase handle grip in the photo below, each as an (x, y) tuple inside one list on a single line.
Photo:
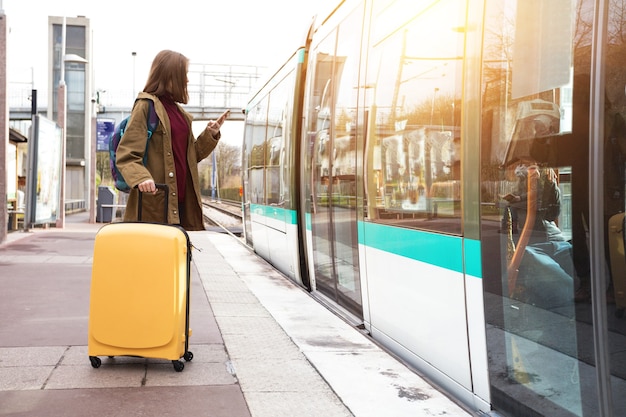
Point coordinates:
[(163, 187)]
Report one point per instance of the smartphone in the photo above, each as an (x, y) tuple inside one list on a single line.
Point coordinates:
[(223, 117), (509, 197)]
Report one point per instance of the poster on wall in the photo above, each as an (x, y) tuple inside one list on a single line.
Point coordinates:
[(11, 164), (104, 129), (45, 171)]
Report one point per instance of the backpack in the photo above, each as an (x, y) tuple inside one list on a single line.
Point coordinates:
[(114, 141)]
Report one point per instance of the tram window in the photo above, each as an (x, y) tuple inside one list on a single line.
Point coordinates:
[(273, 187), (413, 101), (258, 120), (267, 134)]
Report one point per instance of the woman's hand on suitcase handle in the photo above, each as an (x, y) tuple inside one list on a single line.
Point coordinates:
[(147, 187)]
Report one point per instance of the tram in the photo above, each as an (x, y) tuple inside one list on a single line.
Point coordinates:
[(442, 174)]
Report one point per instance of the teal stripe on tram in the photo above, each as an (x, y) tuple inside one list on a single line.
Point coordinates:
[(290, 216), (439, 250), (257, 209), (473, 259), (276, 213)]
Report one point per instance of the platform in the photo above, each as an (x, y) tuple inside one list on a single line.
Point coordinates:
[(262, 346)]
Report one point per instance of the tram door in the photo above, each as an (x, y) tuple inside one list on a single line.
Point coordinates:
[(553, 152), (331, 125)]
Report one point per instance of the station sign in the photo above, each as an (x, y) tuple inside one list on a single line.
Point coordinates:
[(104, 129)]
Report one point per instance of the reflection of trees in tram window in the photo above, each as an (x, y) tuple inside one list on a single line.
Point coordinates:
[(419, 162), (344, 155), (322, 153), (257, 156), (273, 149), (414, 96)]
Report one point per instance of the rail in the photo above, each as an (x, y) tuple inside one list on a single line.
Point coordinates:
[(229, 207), (224, 215)]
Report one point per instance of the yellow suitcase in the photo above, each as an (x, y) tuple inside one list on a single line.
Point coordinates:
[(139, 299)]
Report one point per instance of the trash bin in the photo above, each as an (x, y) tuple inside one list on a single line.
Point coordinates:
[(106, 196)]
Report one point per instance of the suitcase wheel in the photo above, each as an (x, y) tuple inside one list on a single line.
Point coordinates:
[(188, 356), (178, 366), (95, 361)]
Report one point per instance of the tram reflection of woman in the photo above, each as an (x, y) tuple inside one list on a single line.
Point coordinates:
[(546, 270)]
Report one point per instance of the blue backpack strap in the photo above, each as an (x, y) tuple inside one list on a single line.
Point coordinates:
[(153, 119), (153, 122)]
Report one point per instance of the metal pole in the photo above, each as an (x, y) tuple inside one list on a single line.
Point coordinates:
[(602, 353), (31, 175), (134, 73), (62, 121), (33, 103), (4, 125), (30, 199), (213, 175), (92, 162)]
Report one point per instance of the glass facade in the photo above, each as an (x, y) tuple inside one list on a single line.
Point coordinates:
[(75, 79)]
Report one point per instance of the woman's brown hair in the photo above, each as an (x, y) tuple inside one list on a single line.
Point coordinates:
[(168, 76)]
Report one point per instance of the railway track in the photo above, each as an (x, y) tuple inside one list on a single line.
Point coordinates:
[(223, 215)]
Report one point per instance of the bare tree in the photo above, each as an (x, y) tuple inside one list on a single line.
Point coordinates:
[(617, 23), (228, 158)]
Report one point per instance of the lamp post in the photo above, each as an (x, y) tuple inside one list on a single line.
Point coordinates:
[(92, 161), (62, 121), (134, 54), (4, 123)]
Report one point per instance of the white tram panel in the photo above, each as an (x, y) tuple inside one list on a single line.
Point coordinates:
[(259, 231), (291, 255), (278, 247), (477, 341), (429, 301)]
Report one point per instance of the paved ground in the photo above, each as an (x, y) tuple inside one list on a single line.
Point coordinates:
[(262, 347)]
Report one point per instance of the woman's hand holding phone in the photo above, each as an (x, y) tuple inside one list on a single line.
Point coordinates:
[(223, 117), (219, 122)]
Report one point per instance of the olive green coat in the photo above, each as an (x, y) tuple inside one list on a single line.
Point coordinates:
[(160, 166)]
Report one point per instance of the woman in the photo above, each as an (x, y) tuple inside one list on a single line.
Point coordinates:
[(172, 153)]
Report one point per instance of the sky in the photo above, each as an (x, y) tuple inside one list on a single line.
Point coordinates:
[(244, 32), (259, 33)]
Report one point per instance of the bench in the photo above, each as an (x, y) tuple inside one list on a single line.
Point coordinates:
[(14, 216)]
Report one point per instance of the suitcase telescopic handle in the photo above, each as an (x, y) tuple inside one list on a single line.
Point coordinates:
[(163, 187)]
